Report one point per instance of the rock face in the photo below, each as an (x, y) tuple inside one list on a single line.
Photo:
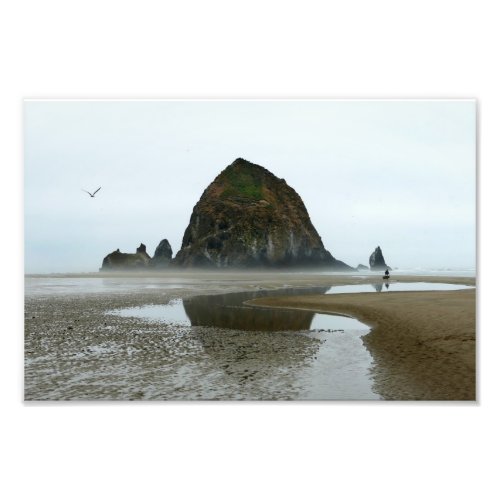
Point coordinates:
[(361, 267), (126, 261), (163, 255), (377, 261), (247, 217)]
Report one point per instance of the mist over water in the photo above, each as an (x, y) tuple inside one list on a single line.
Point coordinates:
[(184, 275)]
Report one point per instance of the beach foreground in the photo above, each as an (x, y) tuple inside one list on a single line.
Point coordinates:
[(422, 343)]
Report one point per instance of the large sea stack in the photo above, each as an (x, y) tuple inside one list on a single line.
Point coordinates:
[(248, 217)]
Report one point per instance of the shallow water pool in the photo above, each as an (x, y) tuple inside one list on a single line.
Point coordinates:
[(395, 286), (248, 339), (340, 369), (230, 311)]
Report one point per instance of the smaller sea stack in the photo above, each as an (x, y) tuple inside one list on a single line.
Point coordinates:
[(118, 261), (377, 261)]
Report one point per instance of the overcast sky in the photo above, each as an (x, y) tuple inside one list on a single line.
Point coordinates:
[(399, 174)]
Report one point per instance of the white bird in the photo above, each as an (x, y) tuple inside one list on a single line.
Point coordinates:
[(91, 194)]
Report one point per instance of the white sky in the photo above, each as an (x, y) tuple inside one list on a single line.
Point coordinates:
[(399, 174)]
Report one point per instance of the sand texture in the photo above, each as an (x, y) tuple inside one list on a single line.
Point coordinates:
[(423, 343), (76, 351)]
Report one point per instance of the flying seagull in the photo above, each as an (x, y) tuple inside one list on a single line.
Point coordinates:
[(91, 194)]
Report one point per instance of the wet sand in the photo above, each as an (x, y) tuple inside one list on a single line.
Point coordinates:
[(423, 343), (75, 350)]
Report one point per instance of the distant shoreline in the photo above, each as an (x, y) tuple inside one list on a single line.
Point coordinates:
[(465, 273)]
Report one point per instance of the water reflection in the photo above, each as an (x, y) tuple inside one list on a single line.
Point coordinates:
[(261, 353), (259, 350), (396, 287), (229, 311), (379, 286)]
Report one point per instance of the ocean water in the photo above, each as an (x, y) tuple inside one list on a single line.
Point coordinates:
[(67, 284)]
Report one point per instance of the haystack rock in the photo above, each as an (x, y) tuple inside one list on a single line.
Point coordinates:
[(377, 261), (126, 261), (247, 217), (163, 255)]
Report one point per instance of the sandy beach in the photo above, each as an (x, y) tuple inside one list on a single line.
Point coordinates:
[(422, 343)]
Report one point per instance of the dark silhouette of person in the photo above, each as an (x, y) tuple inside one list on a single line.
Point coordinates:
[(386, 273)]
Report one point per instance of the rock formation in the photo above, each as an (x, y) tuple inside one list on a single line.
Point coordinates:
[(377, 261), (126, 261), (361, 267), (247, 217), (163, 255)]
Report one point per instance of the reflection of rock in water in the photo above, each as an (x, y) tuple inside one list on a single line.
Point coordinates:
[(249, 345), (377, 286), (228, 311)]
